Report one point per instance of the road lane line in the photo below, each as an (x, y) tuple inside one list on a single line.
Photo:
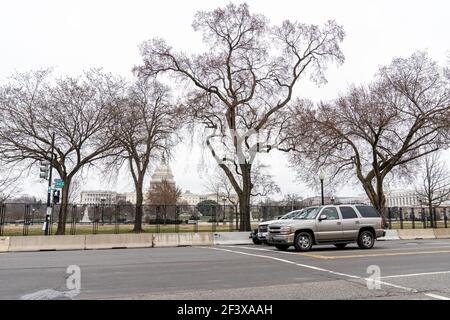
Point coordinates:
[(436, 296), (372, 254), (416, 274), (314, 268)]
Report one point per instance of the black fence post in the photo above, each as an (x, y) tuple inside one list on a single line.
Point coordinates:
[(73, 222), (401, 217), (445, 218), (231, 217), (214, 219), (26, 214), (424, 221), (2, 218), (435, 218), (116, 218), (177, 218), (96, 220), (413, 218), (158, 217), (390, 217), (50, 227)]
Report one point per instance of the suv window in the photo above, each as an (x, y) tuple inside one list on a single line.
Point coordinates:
[(368, 211), (331, 213), (290, 215), (348, 213)]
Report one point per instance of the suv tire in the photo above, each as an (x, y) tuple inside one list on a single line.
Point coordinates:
[(366, 239), (282, 247), (303, 241), (257, 241), (340, 245)]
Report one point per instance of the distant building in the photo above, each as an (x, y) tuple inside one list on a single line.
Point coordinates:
[(402, 198), (106, 197), (162, 173), (317, 200), (98, 197), (194, 198)]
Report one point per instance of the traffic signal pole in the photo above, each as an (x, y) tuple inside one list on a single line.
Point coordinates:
[(49, 191)]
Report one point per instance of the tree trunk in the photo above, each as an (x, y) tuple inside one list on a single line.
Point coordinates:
[(244, 198), (377, 198), (139, 209), (430, 209), (62, 216)]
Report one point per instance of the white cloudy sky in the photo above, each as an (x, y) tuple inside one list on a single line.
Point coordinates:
[(74, 35)]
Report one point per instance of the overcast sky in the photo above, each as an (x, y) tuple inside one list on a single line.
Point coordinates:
[(75, 35)]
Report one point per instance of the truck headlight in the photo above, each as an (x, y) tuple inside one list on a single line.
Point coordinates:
[(285, 230)]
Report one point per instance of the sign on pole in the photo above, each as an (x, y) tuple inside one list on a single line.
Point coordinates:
[(59, 184)]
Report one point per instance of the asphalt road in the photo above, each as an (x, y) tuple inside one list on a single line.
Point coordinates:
[(417, 269)]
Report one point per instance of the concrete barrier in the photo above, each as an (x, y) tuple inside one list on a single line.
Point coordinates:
[(412, 234), (184, 239), (232, 238), (115, 241), (390, 235), (44, 243), (166, 240), (442, 233), (202, 239), (4, 244)]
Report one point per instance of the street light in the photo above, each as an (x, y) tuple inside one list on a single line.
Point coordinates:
[(322, 177)]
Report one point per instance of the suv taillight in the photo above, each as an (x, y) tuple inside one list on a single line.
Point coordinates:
[(382, 222)]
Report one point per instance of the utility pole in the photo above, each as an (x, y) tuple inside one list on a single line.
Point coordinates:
[(49, 191)]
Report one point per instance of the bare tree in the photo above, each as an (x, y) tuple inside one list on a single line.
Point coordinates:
[(241, 85), (76, 109), (292, 199), (164, 193), (434, 181), (376, 130), (147, 126), (9, 182)]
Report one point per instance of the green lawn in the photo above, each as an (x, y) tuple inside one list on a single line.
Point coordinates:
[(35, 230), (418, 224)]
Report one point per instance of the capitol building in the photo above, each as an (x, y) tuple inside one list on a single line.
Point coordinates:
[(163, 172)]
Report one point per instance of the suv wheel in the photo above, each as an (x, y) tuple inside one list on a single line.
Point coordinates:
[(282, 247), (303, 241), (257, 241), (340, 245), (366, 240)]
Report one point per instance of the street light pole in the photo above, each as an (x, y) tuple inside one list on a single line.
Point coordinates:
[(322, 177), (49, 190)]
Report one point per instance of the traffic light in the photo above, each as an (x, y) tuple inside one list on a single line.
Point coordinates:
[(56, 194), (43, 169)]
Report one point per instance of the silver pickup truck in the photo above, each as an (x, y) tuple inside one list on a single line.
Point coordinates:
[(333, 224)]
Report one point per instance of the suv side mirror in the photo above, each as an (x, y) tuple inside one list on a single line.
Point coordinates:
[(323, 217)]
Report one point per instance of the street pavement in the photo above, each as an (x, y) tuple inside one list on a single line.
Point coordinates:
[(416, 269)]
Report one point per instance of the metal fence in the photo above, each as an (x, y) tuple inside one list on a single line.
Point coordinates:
[(28, 219), (417, 217)]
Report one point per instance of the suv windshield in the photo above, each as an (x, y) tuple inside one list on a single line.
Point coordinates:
[(290, 215), (308, 214)]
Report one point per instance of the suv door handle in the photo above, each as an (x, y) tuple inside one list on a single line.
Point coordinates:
[(338, 223), (357, 222)]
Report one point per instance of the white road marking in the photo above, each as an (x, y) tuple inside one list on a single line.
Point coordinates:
[(50, 294), (313, 268), (436, 296), (416, 274)]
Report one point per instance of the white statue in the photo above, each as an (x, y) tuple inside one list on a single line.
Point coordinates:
[(85, 218)]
